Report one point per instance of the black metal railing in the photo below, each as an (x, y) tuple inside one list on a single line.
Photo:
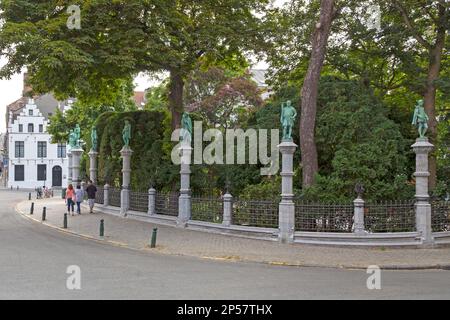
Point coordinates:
[(390, 216), (440, 216), (139, 201), (114, 197), (255, 213), (167, 203), (322, 217), (208, 209), (100, 196)]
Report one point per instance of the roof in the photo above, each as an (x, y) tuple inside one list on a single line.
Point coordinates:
[(139, 98)]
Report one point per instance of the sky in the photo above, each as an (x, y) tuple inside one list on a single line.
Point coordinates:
[(11, 89)]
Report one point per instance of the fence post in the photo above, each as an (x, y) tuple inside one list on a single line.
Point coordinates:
[(286, 211), (422, 148), (126, 153), (106, 195), (184, 201), (227, 210), (358, 216), (151, 201)]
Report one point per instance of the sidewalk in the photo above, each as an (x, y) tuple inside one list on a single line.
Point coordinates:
[(136, 235)]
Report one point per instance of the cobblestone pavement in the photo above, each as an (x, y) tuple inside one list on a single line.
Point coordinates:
[(175, 241)]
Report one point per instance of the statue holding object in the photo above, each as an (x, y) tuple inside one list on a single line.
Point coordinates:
[(126, 133), (186, 129), (421, 119), (288, 116)]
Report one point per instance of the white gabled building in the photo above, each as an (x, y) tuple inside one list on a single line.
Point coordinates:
[(33, 160)]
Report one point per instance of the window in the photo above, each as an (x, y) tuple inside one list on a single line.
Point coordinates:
[(30, 112), (20, 127), (42, 172), (30, 128), (20, 149), (41, 128), (62, 152), (19, 173), (42, 149)]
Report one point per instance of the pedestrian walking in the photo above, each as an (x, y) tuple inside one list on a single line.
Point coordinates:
[(91, 191), (79, 195), (70, 199)]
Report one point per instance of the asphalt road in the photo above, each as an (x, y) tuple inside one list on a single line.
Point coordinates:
[(34, 262)]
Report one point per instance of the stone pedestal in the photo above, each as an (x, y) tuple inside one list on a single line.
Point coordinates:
[(70, 164), (93, 166), (151, 201), (126, 153), (359, 217), (76, 158), (287, 207), (184, 202), (422, 148), (227, 210)]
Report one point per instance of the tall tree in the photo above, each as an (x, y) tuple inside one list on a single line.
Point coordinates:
[(428, 23), (121, 38), (310, 166)]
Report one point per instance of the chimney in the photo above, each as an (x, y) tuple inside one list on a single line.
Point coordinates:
[(27, 89)]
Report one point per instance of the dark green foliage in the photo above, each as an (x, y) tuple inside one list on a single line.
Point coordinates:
[(358, 143), (151, 163)]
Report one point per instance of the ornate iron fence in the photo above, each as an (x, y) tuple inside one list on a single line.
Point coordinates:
[(167, 203), (440, 216), (393, 216), (207, 209), (114, 197), (99, 196), (139, 201), (255, 213), (321, 217)]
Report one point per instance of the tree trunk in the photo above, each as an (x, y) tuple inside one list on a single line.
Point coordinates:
[(434, 69), (309, 93), (176, 98)]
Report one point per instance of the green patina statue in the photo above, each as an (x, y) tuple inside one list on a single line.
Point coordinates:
[(94, 139), (288, 116), (420, 119), (186, 125), (72, 139), (77, 136), (126, 133)]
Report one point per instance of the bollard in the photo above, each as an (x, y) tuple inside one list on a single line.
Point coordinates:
[(32, 208), (102, 228), (44, 213), (65, 220), (153, 243), (29, 196)]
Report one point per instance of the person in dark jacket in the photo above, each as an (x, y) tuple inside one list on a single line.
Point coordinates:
[(91, 191)]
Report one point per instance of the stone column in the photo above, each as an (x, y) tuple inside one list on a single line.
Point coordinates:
[(422, 148), (184, 202), (227, 210), (151, 201), (126, 153), (287, 207), (70, 164), (76, 158), (106, 195), (358, 217), (93, 166)]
